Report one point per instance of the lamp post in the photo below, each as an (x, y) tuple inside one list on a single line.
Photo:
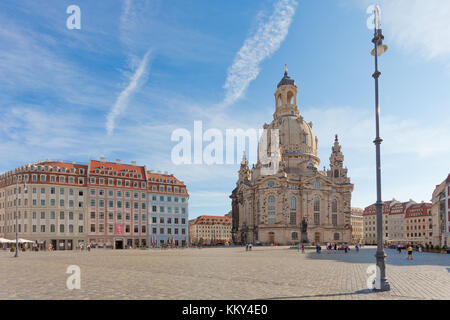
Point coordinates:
[(379, 49)]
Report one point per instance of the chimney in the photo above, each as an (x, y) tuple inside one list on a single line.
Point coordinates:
[(133, 163), (118, 161), (74, 162), (102, 159), (165, 172)]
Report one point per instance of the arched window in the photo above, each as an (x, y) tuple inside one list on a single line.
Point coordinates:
[(336, 236), (290, 95), (334, 205), (336, 173), (316, 204), (271, 201), (294, 236), (316, 184), (304, 138), (293, 203), (279, 100)]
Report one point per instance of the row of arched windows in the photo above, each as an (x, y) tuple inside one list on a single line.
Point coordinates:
[(293, 205), (317, 205)]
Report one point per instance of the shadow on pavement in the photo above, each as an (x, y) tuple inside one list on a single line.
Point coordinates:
[(367, 255), (359, 292)]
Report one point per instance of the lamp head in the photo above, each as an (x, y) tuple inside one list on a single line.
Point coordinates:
[(378, 40), (381, 48)]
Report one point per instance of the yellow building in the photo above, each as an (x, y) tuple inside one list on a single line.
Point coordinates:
[(357, 222), (210, 230)]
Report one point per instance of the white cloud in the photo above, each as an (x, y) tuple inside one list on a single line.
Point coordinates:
[(418, 26), (263, 43), (122, 101)]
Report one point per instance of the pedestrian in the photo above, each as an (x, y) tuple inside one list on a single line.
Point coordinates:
[(345, 247), (420, 248), (250, 246), (410, 252), (357, 247), (335, 246), (88, 247), (303, 248), (246, 247)]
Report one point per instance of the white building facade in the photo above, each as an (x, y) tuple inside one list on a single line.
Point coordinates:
[(168, 203)]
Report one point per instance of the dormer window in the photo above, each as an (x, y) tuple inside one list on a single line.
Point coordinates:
[(304, 138)]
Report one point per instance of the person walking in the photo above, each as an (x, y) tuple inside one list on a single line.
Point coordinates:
[(335, 246), (410, 253), (246, 247), (357, 247), (399, 248), (345, 247), (303, 248), (250, 246)]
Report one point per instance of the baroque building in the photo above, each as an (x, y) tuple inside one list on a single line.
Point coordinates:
[(287, 199), (105, 204)]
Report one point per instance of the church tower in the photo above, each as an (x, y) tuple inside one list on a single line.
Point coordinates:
[(337, 172), (286, 97), (244, 172)]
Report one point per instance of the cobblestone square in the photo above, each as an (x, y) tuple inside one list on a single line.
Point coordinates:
[(220, 273)]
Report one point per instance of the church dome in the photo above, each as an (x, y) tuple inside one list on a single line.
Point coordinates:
[(286, 80)]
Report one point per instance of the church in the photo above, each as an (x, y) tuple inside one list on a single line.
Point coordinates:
[(296, 202)]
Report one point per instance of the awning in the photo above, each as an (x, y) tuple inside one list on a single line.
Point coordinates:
[(3, 240), (25, 241)]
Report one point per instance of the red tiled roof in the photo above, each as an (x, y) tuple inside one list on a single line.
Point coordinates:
[(418, 210), (213, 220), (109, 168)]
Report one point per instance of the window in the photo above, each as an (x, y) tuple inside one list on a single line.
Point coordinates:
[(336, 236), (334, 205), (304, 138), (294, 236), (271, 202), (293, 203), (316, 184), (271, 217), (316, 218), (52, 228), (293, 218), (61, 228), (334, 221), (316, 204)]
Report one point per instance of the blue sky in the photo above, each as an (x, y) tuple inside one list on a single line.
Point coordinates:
[(137, 70)]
